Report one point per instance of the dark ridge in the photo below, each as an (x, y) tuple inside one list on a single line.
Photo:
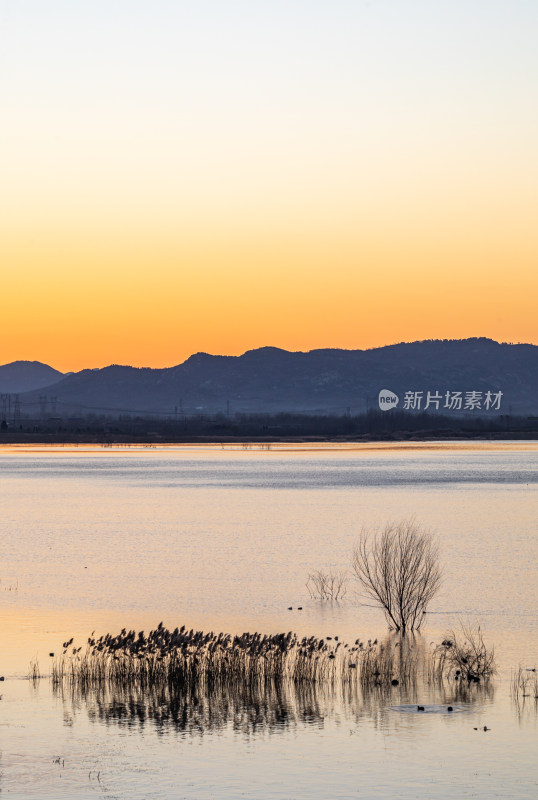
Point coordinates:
[(325, 381), (25, 376)]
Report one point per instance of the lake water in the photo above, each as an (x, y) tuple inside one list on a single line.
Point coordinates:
[(224, 539)]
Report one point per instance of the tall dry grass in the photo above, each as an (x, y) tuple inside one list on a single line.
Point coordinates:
[(193, 658)]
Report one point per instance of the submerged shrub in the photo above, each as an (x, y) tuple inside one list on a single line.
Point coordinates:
[(398, 568), (330, 585), (464, 655)]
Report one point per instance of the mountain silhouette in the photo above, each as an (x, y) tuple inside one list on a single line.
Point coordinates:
[(23, 376), (329, 381)]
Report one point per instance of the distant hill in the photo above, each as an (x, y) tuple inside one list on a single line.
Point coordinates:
[(331, 381), (23, 376)]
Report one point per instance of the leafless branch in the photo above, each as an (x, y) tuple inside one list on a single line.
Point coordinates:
[(330, 585), (465, 655), (398, 567)]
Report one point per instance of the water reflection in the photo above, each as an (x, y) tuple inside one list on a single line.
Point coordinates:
[(524, 693), (246, 709), (255, 709)]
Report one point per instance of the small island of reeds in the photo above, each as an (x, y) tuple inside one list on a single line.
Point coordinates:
[(185, 657)]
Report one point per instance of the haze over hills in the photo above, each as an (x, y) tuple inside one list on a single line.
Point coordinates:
[(23, 376), (270, 380)]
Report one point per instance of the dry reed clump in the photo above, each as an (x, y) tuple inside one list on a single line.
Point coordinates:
[(34, 673), (464, 656), (194, 657), (391, 663), (197, 659), (523, 684), (330, 585)]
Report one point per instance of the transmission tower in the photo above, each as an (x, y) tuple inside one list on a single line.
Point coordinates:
[(43, 399)]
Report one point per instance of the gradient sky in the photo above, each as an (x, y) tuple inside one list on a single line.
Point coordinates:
[(182, 176)]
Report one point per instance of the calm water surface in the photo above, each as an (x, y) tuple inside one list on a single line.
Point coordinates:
[(224, 539)]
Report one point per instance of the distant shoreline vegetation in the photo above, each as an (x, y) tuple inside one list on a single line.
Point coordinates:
[(265, 428)]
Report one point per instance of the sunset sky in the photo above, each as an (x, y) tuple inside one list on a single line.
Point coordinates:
[(221, 175)]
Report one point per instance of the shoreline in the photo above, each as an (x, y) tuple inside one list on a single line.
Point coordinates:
[(150, 438)]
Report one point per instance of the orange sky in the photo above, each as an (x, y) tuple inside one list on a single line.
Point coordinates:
[(218, 182)]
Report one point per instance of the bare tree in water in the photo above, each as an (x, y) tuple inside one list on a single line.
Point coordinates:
[(398, 567)]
